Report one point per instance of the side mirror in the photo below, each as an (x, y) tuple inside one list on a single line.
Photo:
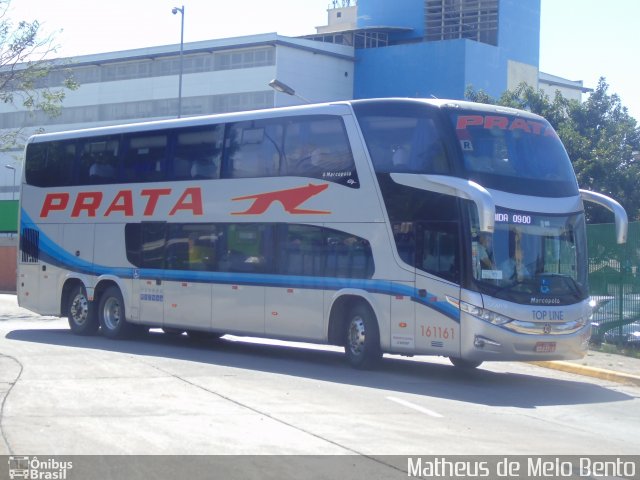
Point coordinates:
[(622, 222), (458, 187)]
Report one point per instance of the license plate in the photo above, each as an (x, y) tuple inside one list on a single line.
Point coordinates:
[(545, 347)]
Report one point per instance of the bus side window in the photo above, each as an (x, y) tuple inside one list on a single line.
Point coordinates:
[(253, 149), (36, 160), (99, 160), (248, 248), (153, 244), (318, 147), (301, 251), (438, 251), (404, 141), (348, 256), (145, 157), (404, 234), (191, 246), (60, 163), (198, 153)]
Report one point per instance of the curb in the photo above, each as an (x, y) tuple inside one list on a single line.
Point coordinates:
[(595, 372)]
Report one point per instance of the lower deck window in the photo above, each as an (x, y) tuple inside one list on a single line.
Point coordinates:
[(285, 249)]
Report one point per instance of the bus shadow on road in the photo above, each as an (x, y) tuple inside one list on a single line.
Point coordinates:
[(394, 374)]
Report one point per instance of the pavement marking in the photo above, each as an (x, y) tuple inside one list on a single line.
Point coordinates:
[(418, 408)]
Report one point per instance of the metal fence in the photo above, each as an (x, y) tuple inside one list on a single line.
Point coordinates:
[(614, 279)]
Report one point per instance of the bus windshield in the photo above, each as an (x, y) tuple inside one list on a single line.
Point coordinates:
[(513, 153), (532, 258)]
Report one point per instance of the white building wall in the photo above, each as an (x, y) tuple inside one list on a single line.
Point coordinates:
[(316, 78), (318, 71), (156, 88), (570, 89), (568, 93)]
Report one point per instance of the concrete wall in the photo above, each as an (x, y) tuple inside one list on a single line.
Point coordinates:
[(8, 264), (318, 78)]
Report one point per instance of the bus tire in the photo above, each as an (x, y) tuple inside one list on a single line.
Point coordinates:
[(175, 332), (81, 312), (111, 315), (201, 335), (362, 338), (465, 364)]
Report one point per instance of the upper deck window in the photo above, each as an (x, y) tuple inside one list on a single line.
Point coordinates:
[(313, 146), (403, 138)]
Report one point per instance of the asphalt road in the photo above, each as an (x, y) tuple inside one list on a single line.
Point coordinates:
[(67, 395)]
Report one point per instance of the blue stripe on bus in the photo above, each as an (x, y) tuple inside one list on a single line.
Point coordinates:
[(52, 253)]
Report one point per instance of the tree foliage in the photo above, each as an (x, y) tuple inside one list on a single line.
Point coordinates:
[(24, 65), (601, 138)]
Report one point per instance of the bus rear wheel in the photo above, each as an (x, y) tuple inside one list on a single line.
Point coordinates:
[(111, 315), (81, 312), (362, 338)]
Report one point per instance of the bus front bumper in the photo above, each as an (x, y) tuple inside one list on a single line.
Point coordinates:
[(523, 341)]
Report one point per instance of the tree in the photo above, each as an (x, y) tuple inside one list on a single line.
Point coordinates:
[(24, 67), (600, 136)]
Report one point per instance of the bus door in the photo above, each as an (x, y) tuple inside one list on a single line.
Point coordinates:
[(437, 288), (148, 287)]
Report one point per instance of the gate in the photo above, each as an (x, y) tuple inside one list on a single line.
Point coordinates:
[(614, 280)]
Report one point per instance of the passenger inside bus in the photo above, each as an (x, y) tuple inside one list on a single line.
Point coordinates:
[(485, 251), (100, 169), (514, 267), (201, 252)]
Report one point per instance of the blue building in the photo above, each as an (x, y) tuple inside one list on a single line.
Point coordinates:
[(425, 48), (377, 48)]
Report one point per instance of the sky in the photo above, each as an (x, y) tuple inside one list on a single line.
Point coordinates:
[(579, 39)]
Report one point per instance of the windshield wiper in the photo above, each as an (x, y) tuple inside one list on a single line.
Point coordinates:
[(514, 284)]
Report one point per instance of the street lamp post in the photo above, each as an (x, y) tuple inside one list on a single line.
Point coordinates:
[(175, 10), (13, 192), (281, 87)]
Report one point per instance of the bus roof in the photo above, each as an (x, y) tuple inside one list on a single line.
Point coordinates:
[(335, 108)]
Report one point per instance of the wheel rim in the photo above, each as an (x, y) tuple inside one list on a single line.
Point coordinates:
[(111, 313), (79, 309), (356, 337)]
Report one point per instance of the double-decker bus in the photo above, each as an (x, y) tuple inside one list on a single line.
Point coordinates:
[(403, 226)]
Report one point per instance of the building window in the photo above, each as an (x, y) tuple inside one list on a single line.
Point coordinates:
[(471, 19)]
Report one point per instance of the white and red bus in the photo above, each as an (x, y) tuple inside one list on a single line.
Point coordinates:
[(413, 227)]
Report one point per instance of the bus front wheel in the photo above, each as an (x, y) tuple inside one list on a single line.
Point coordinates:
[(111, 314), (81, 312), (362, 338), (466, 364)]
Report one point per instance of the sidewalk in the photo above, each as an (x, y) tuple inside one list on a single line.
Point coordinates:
[(605, 366)]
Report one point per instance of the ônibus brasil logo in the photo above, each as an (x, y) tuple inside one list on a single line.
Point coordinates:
[(38, 469)]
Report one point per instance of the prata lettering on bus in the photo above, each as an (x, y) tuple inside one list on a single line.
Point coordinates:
[(504, 123), (90, 203)]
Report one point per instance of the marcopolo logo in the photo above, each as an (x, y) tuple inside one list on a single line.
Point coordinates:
[(38, 469)]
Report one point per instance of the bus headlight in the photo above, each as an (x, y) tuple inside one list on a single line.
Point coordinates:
[(484, 314)]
